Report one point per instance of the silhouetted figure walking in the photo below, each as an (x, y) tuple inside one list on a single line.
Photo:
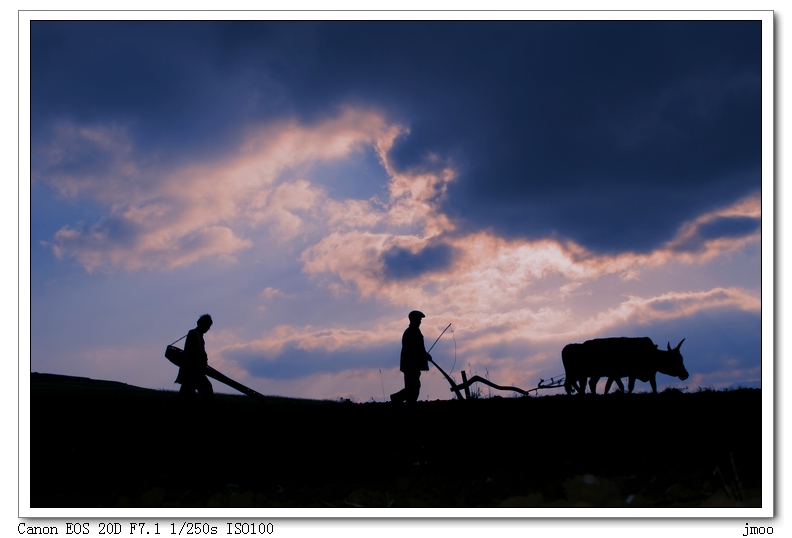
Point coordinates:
[(192, 373), (414, 359)]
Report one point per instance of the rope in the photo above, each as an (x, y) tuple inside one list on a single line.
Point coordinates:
[(182, 338)]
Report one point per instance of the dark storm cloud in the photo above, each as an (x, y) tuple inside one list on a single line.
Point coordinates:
[(609, 133), (727, 227), (401, 264), (165, 81)]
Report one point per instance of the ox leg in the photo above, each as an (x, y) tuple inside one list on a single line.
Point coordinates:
[(631, 385), (610, 383), (568, 385), (580, 385), (572, 385), (593, 384), (653, 382)]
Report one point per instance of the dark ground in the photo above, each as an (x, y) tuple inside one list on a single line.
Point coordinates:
[(105, 444)]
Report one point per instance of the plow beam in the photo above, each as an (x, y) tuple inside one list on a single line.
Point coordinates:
[(479, 379)]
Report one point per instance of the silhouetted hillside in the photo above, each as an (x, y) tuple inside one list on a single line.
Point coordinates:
[(120, 445)]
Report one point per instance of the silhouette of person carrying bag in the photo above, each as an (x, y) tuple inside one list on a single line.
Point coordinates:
[(192, 372), (414, 359)]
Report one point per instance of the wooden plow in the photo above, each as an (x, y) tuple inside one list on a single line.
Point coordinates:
[(174, 354), (552, 383)]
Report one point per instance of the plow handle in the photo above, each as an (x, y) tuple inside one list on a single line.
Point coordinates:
[(454, 386)]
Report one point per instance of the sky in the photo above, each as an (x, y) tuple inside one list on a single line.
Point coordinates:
[(308, 184)]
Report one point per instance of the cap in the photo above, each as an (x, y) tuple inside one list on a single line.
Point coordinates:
[(415, 314)]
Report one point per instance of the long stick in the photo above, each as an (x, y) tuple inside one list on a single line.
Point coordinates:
[(448, 378), (438, 338)]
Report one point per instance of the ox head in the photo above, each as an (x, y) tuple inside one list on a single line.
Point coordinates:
[(674, 365)]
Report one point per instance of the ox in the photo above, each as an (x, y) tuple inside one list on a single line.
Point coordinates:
[(615, 358)]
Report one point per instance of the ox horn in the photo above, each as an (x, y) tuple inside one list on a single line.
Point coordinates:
[(676, 348)]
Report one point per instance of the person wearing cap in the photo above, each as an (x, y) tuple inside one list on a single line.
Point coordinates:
[(414, 359), (192, 373)]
